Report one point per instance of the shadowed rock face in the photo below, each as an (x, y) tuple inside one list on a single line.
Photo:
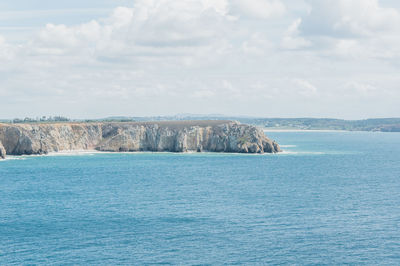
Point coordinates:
[(176, 136), (2, 151)]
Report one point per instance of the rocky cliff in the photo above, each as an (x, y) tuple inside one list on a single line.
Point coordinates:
[(2, 151), (176, 136)]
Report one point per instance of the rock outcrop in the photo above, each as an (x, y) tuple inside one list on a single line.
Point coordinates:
[(2, 151), (174, 136)]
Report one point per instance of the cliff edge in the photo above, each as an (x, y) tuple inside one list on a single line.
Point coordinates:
[(173, 136)]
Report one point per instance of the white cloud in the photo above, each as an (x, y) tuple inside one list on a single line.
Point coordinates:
[(220, 6), (358, 29), (257, 45), (261, 9), (365, 17), (164, 56), (203, 94), (7, 51), (350, 18), (304, 87), (121, 17), (361, 88), (292, 40), (149, 28)]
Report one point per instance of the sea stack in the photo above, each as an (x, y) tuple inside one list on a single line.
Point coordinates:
[(167, 136)]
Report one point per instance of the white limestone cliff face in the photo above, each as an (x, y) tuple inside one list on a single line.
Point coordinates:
[(175, 136), (44, 138)]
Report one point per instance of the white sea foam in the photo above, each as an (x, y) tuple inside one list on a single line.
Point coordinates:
[(285, 152), (73, 153), (190, 153), (10, 158), (288, 146)]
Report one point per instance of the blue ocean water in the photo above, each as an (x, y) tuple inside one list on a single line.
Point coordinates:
[(331, 198)]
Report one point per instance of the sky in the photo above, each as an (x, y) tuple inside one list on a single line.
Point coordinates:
[(263, 58)]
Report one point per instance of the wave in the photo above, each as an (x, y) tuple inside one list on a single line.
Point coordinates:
[(11, 158), (94, 152), (73, 153), (286, 152), (304, 153)]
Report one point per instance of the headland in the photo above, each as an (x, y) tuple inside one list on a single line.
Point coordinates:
[(160, 136)]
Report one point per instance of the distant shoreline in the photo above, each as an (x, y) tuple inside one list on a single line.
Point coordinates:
[(302, 130), (272, 124), (318, 130)]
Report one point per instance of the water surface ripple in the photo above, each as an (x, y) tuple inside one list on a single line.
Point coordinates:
[(331, 198)]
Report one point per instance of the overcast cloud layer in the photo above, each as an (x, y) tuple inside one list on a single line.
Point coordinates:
[(270, 58)]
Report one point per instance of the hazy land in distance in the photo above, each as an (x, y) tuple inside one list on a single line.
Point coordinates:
[(373, 124)]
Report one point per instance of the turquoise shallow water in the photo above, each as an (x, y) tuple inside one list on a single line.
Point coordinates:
[(332, 198)]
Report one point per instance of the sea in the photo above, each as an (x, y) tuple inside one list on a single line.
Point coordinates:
[(330, 198)]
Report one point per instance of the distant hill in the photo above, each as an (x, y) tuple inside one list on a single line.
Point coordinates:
[(375, 124), (381, 124)]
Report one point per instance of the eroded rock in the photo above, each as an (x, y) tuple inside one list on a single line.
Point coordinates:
[(174, 136), (2, 151)]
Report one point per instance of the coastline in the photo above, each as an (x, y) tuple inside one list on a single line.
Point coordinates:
[(95, 152), (168, 136), (272, 130), (318, 130), (306, 130)]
